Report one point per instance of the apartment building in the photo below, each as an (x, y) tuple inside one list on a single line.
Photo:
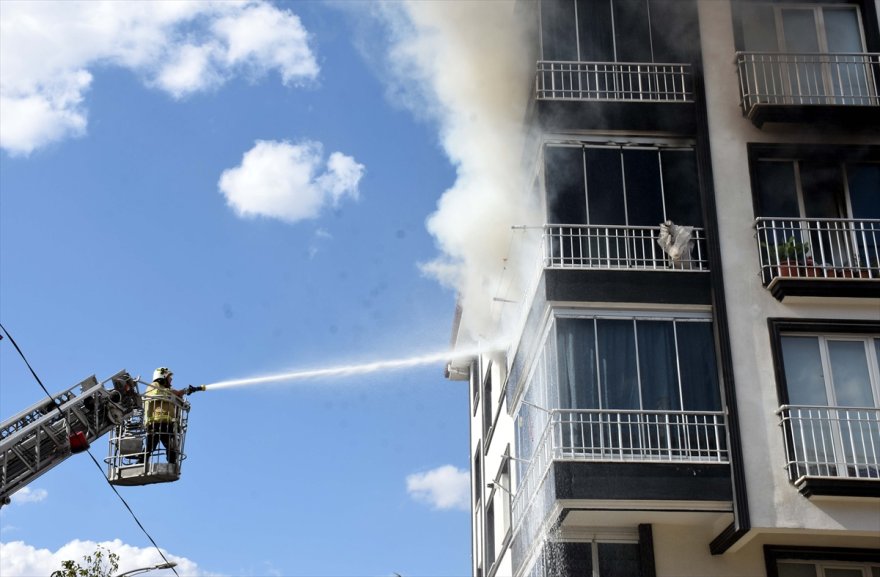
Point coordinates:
[(693, 388)]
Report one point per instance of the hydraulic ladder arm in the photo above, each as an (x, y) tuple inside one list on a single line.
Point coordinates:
[(37, 439)]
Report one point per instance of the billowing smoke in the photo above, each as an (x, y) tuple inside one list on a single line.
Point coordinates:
[(467, 67)]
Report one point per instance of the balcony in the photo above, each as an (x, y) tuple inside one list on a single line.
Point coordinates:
[(788, 87), (617, 247), (618, 437), (614, 81), (832, 450), (635, 96), (819, 256)]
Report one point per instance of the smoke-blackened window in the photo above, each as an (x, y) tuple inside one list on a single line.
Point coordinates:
[(619, 30)]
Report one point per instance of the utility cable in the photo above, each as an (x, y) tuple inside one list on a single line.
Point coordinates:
[(94, 460)]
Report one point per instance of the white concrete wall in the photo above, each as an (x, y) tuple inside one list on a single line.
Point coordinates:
[(502, 437), (773, 501)]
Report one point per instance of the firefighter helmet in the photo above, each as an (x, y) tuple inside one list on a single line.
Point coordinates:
[(162, 373)]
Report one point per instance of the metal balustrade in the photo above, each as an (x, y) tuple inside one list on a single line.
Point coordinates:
[(617, 247), (843, 79), (831, 441), (622, 436), (614, 81), (818, 248)]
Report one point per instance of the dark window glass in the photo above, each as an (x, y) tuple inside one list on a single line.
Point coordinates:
[(758, 27), (564, 180), (696, 357), (799, 28), (804, 376), (477, 473), (487, 403), (558, 31), (644, 197), (842, 31), (657, 365), (617, 364), (594, 30), (681, 187), (795, 569), (490, 534), (822, 186), (632, 31), (776, 189), (577, 364), (618, 559), (605, 186), (674, 31), (864, 189)]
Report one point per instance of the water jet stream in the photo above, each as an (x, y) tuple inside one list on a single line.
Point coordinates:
[(345, 370)]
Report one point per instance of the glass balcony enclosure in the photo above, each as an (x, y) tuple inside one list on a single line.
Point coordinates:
[(616, 50), (609, 204), (615, 389)]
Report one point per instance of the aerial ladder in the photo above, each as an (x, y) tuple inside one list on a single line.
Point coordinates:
[(49, 432)]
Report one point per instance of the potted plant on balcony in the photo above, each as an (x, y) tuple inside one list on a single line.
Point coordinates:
[(792, 259)]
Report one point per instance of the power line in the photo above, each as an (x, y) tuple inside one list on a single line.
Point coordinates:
[(94, 460)]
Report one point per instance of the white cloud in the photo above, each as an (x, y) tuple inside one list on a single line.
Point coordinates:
[(445, 487), (47, 50), (17, 558), (281, 180), (29, 495)]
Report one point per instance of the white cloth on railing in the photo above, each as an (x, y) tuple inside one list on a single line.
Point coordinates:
[(675, 240)]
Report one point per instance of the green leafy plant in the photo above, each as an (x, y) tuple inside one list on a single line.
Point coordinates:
[(792, 251), (101, 563)]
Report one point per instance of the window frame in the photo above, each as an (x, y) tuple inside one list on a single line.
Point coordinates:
[(843, 155), (658, 147), (820, 555), (634, 317), (818, 483), (779, 327), (866, 9)]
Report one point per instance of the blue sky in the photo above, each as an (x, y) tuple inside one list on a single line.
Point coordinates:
[(234, 190)]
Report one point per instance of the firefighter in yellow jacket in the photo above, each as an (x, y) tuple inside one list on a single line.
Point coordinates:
[(161, 406)]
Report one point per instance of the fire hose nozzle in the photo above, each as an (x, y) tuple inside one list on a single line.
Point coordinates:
[(191, 389)]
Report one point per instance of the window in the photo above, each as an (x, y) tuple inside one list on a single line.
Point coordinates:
[(624, 388), (478, 477), (821, 562), (831, 407), (826, 569), (478, 537), (620, 196), (637, 186), (475, 387), (637, 364), (595, 559), (490, 534), (488, 405), (617, 30), (801, 28)]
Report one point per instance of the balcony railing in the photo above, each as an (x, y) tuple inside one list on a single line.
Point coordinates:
[(840, 79), (618, 247), (818, 248), (623, 436), (831, 441), (614, 81)]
